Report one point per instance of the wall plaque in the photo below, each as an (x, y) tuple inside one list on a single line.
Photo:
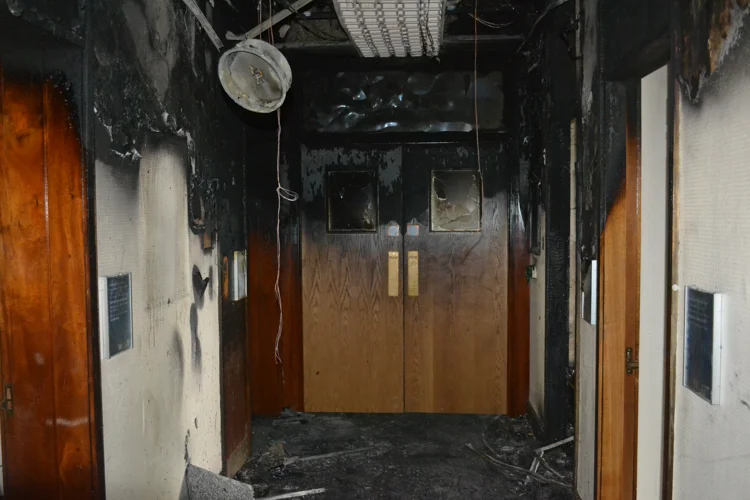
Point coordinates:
[(703, 325), (115, 314)]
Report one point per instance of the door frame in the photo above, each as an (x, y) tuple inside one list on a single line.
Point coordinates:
[(622, 275)]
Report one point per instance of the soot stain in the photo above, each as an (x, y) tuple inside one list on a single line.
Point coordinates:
[(176, 353), (197, 352), (177, 360), (199, 285), (187, 451), (210, 278)]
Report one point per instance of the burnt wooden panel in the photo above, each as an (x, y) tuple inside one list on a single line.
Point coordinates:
[(619, 306), (48, 441), (518, 308), (235, 373), (276, 384), (353, 331), (456, 329)]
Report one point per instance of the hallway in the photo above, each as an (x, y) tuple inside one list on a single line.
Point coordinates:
[(403, 456)]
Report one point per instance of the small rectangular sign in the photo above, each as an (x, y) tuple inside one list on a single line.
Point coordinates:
[(703, 328), (393, 284), (116, 314)]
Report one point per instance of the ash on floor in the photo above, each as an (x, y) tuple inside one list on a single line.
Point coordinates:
[(404, 456)]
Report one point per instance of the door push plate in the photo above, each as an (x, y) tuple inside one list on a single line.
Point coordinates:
[(393, 265), (413, 265)]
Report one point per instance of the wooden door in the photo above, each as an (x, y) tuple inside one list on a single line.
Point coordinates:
[(353, 343), (48, 438), (619, 303), (456, 317)]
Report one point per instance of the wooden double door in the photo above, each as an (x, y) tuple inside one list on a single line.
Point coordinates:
[(404, 278)]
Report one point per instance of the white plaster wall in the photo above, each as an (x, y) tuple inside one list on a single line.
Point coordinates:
[(653, 307), (160, 399), (712, 443), (537, 289)]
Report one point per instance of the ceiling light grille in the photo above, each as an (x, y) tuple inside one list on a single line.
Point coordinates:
[(393, 28)]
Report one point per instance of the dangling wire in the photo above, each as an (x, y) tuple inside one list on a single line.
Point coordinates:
[(476, 105), (285, 194)]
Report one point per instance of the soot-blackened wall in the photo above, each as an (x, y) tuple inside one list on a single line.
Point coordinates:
[(161, 129), (548, 102)]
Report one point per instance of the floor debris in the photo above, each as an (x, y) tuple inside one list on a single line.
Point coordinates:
[(410, 456), (539, 456), (292, 460), (296, 494)]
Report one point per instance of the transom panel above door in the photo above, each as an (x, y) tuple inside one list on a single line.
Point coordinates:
[(404, 278)]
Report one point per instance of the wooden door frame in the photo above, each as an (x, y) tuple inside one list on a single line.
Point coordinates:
[(80, 74), (628, 264)]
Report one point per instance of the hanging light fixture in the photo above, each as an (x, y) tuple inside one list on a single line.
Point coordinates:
[(255, 75)]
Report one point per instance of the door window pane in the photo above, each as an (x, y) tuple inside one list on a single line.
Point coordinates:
[(352, 202), (456, 203)]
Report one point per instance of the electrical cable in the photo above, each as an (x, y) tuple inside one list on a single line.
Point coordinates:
[(476, 106), (491, 24), (552, 6), (285, 194)]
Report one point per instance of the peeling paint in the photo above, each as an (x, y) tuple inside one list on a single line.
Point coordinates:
[(390, 173), (710, 29)]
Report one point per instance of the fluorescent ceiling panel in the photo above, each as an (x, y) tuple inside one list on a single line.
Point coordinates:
[(393, 28)]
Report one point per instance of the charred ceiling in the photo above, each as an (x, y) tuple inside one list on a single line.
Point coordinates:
[(316, 26)]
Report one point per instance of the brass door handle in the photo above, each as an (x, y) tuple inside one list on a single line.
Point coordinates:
[(413, 270), (393, 274)]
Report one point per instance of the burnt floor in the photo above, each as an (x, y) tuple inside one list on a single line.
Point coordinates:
[(405, 456)]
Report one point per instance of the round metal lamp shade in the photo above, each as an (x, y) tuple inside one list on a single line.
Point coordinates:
[(255, 75)]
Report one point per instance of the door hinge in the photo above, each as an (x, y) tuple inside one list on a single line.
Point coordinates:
[(630, 364), (7, 403)]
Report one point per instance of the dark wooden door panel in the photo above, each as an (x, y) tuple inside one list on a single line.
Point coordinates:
[(44, 334), (68, 288), (27, 350), (456, 328), (235, 372), (353, 330)]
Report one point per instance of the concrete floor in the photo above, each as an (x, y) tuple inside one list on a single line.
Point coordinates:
[(406, 456)]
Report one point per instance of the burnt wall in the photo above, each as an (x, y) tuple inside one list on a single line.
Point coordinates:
[(704, 33), (63, 18), (637, 36), (145, 82), (154, 72), (548, 104)]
